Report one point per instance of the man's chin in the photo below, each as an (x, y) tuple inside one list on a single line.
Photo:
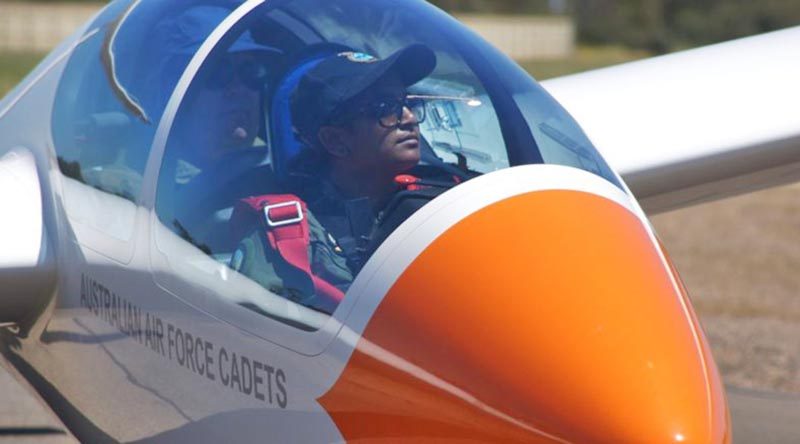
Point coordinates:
[(239, 134), (239, 138), (407, 165)]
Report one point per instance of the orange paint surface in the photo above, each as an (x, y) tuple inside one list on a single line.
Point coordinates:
[(547, 317), (721, 415)]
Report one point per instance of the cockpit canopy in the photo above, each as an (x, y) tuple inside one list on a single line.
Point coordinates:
[(203, 90)]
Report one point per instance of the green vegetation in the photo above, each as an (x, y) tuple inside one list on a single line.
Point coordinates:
[(656, 25), (584, 59), (501, 6), (664, 25), (14, 66)]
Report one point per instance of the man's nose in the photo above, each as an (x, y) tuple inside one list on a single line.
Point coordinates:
[(236, 86), (408, 117)]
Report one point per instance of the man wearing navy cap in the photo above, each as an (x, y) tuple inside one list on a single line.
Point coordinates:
[(360, 130), (352, 109), (215, 129)]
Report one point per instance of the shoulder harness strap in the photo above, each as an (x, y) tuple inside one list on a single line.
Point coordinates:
[(284, 219)]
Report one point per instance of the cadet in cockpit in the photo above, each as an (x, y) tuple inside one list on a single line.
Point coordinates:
[(214, 136), (360, 131), (223, 114)]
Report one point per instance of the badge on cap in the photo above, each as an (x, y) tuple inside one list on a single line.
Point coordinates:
[(358, 57)]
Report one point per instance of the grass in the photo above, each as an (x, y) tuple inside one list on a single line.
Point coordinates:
[(583, 59), (14, 66)]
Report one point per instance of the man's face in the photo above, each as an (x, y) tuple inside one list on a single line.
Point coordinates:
[(377, 148), (226, 109)]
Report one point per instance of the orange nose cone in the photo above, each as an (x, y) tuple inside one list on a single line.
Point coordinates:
[(547, 317)]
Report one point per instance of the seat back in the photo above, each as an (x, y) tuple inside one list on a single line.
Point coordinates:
[(284, 143)]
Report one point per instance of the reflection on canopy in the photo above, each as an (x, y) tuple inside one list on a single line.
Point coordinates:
[(482, 114), (109, 60)]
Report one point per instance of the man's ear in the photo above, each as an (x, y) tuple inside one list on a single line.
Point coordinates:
[(335, 140)]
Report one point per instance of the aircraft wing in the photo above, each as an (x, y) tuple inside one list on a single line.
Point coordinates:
[(696, 125)]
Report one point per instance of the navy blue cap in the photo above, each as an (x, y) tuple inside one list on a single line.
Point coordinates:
[(341, 77), (184, 34)]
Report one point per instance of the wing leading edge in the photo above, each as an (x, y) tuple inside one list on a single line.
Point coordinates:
[(696, 125)]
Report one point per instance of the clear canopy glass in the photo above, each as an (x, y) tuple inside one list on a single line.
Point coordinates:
[(238, 159)]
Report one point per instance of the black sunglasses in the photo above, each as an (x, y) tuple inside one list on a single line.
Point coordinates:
[(389, 110), (251, 73)]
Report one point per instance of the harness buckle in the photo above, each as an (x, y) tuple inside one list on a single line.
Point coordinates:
[(295, 217)]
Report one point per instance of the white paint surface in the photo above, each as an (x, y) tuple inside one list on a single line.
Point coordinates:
[(732, 105), (21, 207)]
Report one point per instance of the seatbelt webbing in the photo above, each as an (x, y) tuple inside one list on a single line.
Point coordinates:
[(286, 223)]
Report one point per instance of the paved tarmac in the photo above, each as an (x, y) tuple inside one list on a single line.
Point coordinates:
[(763, 417), (24, 416), (758, 417)]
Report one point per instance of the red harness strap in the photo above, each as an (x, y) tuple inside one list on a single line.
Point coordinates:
[(284, 218)]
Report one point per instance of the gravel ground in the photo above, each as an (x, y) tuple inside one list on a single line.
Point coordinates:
[(740, 260)]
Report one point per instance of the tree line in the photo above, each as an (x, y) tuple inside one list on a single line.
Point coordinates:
[(663, 25), (657, 25)]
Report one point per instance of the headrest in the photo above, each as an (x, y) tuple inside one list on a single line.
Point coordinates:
[(285, 145)]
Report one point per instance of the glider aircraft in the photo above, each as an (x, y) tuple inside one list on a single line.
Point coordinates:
[(514, 292)]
